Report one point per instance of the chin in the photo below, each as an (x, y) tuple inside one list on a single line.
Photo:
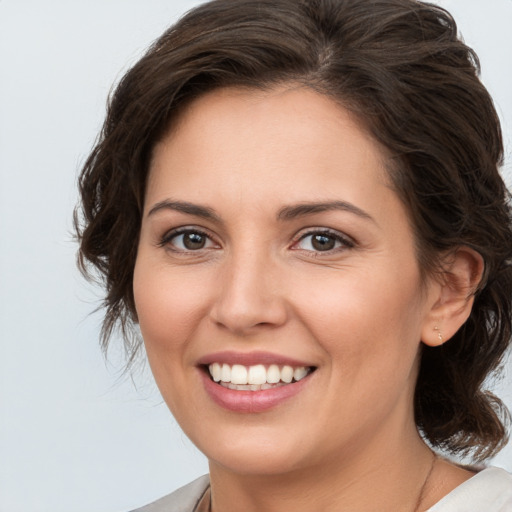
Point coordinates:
[(255, 462), (247, 454)]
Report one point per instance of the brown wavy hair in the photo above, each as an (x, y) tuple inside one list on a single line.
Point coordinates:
[(401, 68)]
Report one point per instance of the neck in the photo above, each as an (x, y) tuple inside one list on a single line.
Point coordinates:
[(390, 472)]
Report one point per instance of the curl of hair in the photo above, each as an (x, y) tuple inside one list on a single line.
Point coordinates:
[(401, 68)]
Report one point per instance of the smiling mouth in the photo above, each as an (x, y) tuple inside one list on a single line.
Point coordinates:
[(257, 377)]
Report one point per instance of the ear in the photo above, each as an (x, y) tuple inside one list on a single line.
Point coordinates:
[(453, 296)]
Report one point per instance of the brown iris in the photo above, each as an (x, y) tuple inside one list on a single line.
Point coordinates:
[(323, 242), (194, 241)]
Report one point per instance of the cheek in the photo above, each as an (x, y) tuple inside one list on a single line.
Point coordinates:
[(369, 331), (169, 314), (366, 322), (168, 311)]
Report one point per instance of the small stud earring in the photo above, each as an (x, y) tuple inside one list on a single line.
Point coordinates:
[(439, 335)]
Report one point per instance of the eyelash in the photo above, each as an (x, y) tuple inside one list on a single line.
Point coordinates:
[(167, 239), (343, 241)]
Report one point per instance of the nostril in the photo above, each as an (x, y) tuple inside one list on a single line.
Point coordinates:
[(245, 304)]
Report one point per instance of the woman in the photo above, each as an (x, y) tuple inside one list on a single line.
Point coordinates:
[(299, 205)]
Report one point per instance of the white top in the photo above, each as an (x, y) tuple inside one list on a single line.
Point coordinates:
[(487, 491)]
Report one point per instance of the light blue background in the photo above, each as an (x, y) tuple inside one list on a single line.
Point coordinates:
[(75, 436)]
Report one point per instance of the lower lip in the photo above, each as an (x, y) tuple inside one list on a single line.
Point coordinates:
[(251, 401)]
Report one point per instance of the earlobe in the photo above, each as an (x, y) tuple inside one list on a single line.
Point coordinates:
[(452, 304)]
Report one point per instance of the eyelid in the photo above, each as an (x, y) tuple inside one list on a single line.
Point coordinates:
[(346, 241), (168, 236)]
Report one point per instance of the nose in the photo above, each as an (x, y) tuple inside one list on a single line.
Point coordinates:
[(250, 297)]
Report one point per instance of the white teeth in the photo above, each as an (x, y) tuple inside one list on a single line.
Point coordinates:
[(225, 375), (250, 387), (300, 373), (238, 374), (273, 374), (287, 374), (255, 377), (257, 374), (216, 371)]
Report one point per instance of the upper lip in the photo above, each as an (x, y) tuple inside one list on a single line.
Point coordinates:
[(250, 359)]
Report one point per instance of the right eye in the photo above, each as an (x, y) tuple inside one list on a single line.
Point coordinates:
[(185, 240)]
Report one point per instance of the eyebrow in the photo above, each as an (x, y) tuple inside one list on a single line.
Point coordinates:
[(182, 206), (286, 213), (303, 209)]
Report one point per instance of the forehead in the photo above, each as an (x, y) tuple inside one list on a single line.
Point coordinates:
[(234, 135)]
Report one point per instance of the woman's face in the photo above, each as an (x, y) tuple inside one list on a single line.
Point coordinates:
[(272, 245)]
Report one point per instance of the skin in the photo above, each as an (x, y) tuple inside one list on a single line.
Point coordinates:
[(358, 312)]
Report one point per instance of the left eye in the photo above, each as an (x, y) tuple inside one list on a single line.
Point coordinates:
[(189, 241), (320, 242)]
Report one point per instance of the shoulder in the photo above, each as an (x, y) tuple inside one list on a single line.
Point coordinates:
[(489, 490), (184, 499)]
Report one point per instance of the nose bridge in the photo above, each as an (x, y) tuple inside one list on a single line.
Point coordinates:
[(249, 294)]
